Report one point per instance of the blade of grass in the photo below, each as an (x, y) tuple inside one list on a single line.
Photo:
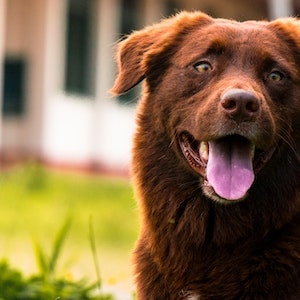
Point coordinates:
[(57, 246), (94, 252), (41, 260)]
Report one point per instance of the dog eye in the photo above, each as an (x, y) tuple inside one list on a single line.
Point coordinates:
[(202, 67), (275, 76)]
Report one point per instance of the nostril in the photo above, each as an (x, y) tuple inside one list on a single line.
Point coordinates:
[(240, 104), (252, 105), (229, 104)]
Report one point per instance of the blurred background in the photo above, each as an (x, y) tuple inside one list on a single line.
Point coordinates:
[(57, 64)]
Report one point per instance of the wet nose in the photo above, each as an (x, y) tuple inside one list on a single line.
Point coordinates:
[(239, 104)]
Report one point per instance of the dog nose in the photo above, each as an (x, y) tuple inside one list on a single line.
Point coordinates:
[(240, 104)]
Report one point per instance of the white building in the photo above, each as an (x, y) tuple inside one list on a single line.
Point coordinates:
[(57, 66)]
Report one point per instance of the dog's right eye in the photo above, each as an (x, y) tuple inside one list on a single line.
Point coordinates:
[(275, 76), (203, 66)]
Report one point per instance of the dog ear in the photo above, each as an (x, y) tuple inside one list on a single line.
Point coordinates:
[(132, 51), (289, 30)]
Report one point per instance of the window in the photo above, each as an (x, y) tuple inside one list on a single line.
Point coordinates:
[(130, 12), (130, 20), (172, 7), (13, 87), (78, 74)]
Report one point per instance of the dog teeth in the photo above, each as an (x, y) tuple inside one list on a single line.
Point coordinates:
[(204, 150)]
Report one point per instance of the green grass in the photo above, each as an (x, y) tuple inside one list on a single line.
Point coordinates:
[(35, 202)]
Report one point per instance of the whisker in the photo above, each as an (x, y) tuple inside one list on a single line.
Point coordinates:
[(285, 134), (173, 140)]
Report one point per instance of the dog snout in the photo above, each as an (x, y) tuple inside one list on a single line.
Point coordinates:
[(239, 104)]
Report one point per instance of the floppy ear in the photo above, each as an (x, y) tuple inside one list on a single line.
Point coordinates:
[(132, 51), (289, 29)]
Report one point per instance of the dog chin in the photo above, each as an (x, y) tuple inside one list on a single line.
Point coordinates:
[(210, 193)]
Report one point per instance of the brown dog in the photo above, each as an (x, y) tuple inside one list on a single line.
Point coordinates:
[(216, 158)]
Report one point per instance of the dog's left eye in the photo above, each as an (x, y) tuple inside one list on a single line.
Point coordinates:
[(202, 67), (275, 76)]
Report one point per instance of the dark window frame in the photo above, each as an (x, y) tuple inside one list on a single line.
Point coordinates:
[(131, 19), (14, 74), (79, 57)]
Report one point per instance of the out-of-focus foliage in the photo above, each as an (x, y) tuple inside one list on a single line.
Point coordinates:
[(13, 286), (45, 285), (35, 202)]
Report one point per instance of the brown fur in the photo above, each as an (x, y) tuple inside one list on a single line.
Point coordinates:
[(192, 242)]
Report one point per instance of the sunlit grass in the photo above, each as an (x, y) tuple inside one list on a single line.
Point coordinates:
[(35, 202)]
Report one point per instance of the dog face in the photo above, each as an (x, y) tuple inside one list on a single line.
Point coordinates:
[(236, 96), (226, 94)]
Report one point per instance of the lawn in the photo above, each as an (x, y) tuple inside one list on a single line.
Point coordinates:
[(36, 202)]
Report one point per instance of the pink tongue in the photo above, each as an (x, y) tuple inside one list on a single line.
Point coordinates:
[(229, 167)]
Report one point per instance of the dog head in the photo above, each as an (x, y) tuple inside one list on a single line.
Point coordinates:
[(226, 95)]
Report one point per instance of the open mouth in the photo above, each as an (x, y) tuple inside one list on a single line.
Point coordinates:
[(228, 164)]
